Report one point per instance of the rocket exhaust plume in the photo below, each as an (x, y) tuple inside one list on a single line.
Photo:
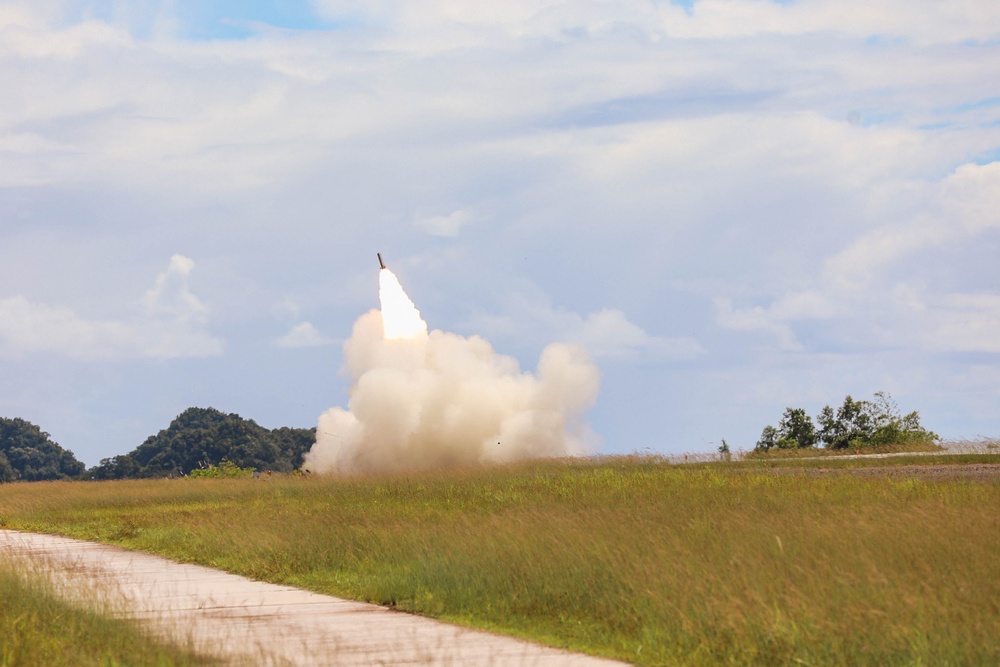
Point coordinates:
[(422, 399)]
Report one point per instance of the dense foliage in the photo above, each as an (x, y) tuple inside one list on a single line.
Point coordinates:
[(203, 437), (27, 453), (855, 425)]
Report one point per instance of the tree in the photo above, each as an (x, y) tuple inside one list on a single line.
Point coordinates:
[(796, 429), (7, 473), (891, 428), (118, 467), (724, 453), (768, 439), (293, 443), (850, 427), (875, 423), (32, 456)]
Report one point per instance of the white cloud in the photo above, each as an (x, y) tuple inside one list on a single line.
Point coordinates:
[(27, 327), (800, 161), (961, 206), (958, 323), (923, 20), (755, 319), (303, 334), (445, 225), (38, 42), (286, 307), (926, 21), (233, 116), (871, 287), (606, 333), (172, 324), (12, 15), (170, 296)]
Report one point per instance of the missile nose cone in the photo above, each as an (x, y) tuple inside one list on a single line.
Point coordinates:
[(380, 262)]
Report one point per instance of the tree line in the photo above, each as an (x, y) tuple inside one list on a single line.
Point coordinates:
[(197, 438), (854, 425), (200, 438)]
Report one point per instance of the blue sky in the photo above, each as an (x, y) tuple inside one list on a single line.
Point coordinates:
[(736, 205)]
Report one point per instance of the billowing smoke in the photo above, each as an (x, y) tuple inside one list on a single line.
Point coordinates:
[(422, 399)]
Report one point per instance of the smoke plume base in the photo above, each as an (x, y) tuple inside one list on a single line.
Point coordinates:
[(422, 399)]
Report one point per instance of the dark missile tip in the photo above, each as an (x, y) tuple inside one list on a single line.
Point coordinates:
[(380, 262)]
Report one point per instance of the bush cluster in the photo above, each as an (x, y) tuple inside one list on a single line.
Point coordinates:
[(226, 468)]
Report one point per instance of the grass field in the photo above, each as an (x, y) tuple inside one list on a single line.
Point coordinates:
[(37, 627), (630, 558)]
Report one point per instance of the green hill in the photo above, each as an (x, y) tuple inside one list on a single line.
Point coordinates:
[(27, 453), (199, 437)]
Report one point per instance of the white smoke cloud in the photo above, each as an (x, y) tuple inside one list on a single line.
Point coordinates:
[(434, 399)]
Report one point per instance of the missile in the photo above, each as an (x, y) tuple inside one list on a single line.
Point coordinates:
[(380, 262)]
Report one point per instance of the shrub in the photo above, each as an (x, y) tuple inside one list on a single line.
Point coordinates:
[(226, 468)]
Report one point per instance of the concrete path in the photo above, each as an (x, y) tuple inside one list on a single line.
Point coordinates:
[(254, 623)]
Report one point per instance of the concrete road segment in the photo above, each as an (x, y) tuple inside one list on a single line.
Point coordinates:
[(250, 622)]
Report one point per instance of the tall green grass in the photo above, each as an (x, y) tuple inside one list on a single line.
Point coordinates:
[(38, 627), (631, 558)]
